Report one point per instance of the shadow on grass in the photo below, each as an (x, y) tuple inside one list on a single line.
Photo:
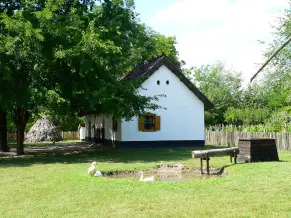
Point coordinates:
[(45, 155), (12, 144)]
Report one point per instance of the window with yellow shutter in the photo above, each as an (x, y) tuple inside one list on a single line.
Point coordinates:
[(149, 123), (157, 123)]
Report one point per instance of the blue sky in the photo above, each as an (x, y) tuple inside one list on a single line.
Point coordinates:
[(212, 30)]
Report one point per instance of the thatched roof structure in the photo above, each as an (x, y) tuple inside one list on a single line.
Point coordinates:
[(43, 130)]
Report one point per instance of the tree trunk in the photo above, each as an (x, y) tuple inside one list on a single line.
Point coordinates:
[(20, 117), (20, 140), (3, 132)]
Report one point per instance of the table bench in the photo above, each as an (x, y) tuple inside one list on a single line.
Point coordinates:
[(206, 154)]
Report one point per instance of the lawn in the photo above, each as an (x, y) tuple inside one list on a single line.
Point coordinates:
[(55, 185)]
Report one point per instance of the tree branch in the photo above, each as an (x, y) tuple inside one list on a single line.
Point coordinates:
[(270, 58)]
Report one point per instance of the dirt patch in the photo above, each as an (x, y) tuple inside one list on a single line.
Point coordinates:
[(169, 173)]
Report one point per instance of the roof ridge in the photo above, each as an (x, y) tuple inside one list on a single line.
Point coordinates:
[(142, 67)]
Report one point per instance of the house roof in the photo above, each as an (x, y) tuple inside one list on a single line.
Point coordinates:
[(147, 68)]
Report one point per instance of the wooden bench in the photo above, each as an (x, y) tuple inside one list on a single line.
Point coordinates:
[(206, 154)]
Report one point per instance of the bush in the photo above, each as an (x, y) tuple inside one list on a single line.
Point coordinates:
[(246, 116), (280, 122)]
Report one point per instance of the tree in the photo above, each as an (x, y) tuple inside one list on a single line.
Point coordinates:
[(88, 70), (248, 115), (3, 132), (271, 57), (9, 6), (268, 100), (255, 96), (252, 108), (19, 84), (221, 86), (151, 44), (69, 56), (278, 76)]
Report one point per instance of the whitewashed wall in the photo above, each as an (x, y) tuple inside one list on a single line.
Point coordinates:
[(82, 133), (98, 121), (184, 117)]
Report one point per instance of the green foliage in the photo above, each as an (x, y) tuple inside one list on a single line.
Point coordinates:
[(272, 126), (255, 120), (247, 116), (69, 122), (65, 123), (278, 74), (255, 96), (148, 44), (68, 57), (87, 70), (220, 85), (21, 83), (280, 121)]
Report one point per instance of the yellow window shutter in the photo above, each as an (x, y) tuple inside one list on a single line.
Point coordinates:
[(157, 123), (141, 124)]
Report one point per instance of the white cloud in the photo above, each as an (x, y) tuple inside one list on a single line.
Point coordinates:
[(209, 30), (199, 11)]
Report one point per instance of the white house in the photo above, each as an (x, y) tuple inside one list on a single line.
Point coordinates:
[(180, 124), (82, 132)]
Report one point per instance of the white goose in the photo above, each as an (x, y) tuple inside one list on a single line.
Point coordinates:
[(152, 178), (98, 173), (92, 169)]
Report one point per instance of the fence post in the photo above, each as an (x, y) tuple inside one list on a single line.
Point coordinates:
[(218, 138)]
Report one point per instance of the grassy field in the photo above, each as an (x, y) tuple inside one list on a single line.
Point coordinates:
[(58, 186)]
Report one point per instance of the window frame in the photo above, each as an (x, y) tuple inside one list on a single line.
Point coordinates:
[(156, 123), (153, 123)]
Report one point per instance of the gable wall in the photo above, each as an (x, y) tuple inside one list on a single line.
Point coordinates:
[(182, 120)]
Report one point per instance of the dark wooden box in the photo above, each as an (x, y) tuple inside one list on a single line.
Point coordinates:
[(257, 149)]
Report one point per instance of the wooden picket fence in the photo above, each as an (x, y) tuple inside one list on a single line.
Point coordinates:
[(65, 136), (70, 135), (283, 139)]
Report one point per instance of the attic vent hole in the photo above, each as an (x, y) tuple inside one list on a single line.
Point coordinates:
[(167, 82), (158, 82)]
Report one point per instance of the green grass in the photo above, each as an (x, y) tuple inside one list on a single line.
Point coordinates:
[(58, 186)]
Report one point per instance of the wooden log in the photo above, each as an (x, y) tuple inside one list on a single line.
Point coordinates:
[(201, 165), (214, 152), (271, 57), (207, 163)]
